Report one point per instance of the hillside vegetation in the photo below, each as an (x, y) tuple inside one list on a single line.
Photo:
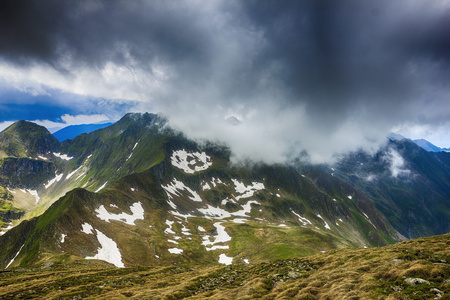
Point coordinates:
[(415, 269)]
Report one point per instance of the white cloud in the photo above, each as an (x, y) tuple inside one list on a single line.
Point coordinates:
[(115, 82), (4, 125), (83, 119), (68, 120), (397, 164), (438, 135)]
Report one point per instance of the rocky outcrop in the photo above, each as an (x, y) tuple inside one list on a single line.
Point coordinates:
[(25, 172)]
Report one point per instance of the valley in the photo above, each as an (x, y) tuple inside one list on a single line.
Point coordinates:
[(141, 197)]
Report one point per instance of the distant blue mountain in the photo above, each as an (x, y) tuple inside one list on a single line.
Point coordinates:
[(426, 145), (69, 132)]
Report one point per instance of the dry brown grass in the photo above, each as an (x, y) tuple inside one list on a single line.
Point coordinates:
[(376, 273)]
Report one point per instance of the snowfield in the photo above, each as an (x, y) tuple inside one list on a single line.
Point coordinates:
[(101, 188), (62, 156), (326, 224), (108, 252), (175, 187), (186, 160), (87, 228), (52, 181), (226, 260), (169, 230), (246, 191), (175, 250), (136, 209), (221, 237), (72, 173), (15, 256), (302, 220), (132, 150)]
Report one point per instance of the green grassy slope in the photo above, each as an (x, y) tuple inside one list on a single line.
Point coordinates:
[(26, 139)]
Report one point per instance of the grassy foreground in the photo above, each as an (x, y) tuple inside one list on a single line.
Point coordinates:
[(415, 269)]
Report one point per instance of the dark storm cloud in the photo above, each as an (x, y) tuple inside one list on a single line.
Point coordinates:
[(323, 69), (337, 54), (93, 30)]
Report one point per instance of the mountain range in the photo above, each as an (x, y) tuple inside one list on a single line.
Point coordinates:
[(138, 193), (422, 143), (69, 132)]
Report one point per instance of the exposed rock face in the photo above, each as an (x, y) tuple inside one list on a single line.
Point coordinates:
[(25, 172)]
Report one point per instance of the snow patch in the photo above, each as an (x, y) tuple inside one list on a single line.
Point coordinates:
[(101, 188), (87, 228), (136, 209), (246, 261), (52, 181), (216, 181), (326, 224), (185, 230), (35, 194), (226, 260), (247, 207), (214, 212), (368, 219), (82, 175), (302, 220), (186, 160), (169, 230), (6, 229), (42, 157), (180, 215), (239, 221), (132, 151), (15, 256), (176, 186), (62, 156), (108, 252), (71, 174), (246, 191), (349, 197), (200, 228), (205, 186), (63, 237), (221, 237), (175, 250)]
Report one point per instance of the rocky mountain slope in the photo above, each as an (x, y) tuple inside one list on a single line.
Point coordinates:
[(409, 185), (137, 193)]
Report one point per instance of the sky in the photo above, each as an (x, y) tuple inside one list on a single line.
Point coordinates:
[(321, 77)]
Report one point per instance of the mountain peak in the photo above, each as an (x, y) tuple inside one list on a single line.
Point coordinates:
[(23, 139)]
